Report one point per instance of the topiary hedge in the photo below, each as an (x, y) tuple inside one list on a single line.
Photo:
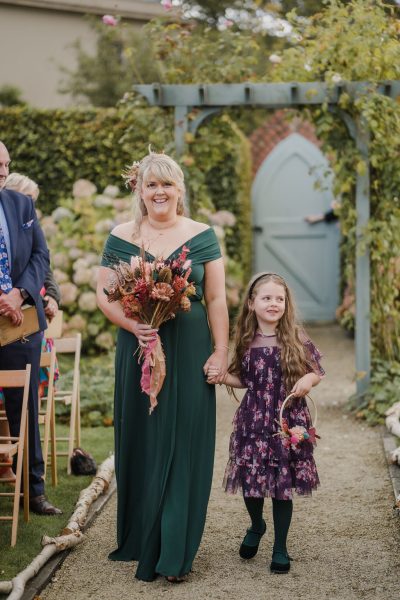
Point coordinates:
[(58, 147)]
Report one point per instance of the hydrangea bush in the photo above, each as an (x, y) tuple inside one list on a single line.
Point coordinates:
[(76, 231)]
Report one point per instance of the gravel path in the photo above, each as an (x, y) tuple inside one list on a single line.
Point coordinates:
[(345, 539)]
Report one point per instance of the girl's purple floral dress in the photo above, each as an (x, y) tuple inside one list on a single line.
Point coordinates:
[(258, 461)]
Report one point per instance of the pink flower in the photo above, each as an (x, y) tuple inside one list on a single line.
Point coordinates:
[(166, 4), (109, 20)]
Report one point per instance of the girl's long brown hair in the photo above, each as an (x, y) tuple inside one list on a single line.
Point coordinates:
[(290, 335)]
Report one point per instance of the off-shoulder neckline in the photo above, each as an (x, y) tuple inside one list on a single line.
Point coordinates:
[(172, 253)]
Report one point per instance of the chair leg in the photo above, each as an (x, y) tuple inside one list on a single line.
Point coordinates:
[(54, 479), (78, 419), (72, 433), (26, 474), (17, 491), (47, 423)]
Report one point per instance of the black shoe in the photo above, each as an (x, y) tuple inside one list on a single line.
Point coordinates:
[(280, 568), (246, 551), (41, 506)]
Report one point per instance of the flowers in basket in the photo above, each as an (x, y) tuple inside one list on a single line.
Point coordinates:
[(292, 437), (152, 292)]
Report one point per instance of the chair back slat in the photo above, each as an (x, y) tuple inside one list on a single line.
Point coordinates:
[(12, 379)]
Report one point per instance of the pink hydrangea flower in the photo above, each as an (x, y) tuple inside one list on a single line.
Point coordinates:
[(166, 4), (109, 20)]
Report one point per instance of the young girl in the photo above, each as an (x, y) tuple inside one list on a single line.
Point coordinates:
[(272, 358)]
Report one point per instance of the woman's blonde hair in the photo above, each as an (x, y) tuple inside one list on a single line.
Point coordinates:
[(23, 184), (289, 333), (163, 168)]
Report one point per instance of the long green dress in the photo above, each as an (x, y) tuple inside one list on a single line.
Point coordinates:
[(164, 461)]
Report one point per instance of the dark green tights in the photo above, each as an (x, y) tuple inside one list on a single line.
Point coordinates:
[(282, 514)]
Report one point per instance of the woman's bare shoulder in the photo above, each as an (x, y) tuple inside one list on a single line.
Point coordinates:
[(195, 227), (124, 231)]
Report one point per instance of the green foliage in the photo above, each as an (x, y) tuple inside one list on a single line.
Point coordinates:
[(57, 147), (123, 56), (10, 95), (382, 393), (97, 389), (99, 442), (328, 49), (225, 56)]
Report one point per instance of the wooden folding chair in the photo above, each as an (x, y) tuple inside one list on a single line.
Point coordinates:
[(71, 345), (47, 415), (17, 446), (54, 327)]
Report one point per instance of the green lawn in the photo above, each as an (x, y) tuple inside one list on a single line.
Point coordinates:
[(97, 440)]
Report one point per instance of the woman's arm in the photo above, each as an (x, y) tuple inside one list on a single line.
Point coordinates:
[(217, 310), (229, 379), (113, 310)]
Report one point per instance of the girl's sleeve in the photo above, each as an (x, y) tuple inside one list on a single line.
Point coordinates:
[(313, 356)]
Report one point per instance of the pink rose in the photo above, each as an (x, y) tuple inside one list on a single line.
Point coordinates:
[(109, 20), (166, 4)]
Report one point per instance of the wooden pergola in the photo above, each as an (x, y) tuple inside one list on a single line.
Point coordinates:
[(210, 99)]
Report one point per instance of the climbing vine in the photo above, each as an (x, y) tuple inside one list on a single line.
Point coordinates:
[(359, 41)]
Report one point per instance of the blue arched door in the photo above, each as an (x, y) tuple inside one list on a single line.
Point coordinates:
[(307, 256)]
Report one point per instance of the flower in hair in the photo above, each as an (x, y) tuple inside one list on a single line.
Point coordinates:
[(130, 174)]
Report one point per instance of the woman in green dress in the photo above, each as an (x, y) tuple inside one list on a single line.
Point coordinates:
[(164, 461)]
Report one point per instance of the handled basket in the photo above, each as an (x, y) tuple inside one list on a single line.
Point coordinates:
[(296, 435)]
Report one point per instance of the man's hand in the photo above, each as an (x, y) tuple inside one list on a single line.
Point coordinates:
[(10, 306)]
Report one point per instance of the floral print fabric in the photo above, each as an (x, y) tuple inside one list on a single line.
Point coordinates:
[(259, 463)]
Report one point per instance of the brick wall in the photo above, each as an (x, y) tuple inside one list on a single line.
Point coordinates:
[(264, 139)]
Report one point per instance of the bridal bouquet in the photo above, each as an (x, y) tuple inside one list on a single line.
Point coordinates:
[(152, 293)]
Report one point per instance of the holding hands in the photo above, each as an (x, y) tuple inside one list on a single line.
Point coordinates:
[(216, 366)]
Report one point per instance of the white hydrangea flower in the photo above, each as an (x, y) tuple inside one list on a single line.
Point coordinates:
[(49, 228), (111, 190), (83, 188), (69, 293), (102, 201), (105, 340), (82, 276), (60, 276), (104, 226), (60, 260), (275, 59), (77, 323), (61, 213), (75, 253), (87, 302)]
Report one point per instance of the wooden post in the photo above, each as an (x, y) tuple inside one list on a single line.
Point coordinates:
[(363, 294), (181, 127)]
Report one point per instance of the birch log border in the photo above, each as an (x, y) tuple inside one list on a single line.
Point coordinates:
[(70, 536), (392, 422)]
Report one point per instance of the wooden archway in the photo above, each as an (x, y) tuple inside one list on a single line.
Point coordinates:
[(210, 99)]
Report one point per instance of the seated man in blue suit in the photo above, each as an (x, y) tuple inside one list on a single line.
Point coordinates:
[(24, 263)]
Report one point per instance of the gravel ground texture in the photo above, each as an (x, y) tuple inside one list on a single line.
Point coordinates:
[(344, 540)]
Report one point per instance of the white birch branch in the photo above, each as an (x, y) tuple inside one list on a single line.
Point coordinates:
[(393, 425), (71, 535)]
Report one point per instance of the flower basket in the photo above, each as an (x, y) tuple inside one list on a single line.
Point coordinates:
[(293, 437)]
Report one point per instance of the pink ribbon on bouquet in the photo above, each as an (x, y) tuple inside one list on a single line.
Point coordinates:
[(153, 370)]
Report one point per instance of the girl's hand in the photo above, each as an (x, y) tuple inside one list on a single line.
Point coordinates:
[(218, 362), (144, 332), (212, 374), (303, 386)]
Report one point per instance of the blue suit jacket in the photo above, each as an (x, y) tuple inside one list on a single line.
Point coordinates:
[(29, 253)]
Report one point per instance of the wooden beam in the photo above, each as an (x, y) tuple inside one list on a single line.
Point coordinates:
[(270, 95)]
